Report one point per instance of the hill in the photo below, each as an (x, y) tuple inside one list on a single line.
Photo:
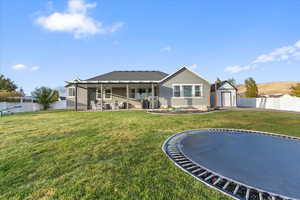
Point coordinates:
[(282, 87)]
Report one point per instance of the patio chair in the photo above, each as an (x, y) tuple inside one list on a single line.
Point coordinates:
[(115, 106), (122, 105), (99, 105)]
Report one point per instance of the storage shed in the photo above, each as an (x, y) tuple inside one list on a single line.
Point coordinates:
[(223, 94)]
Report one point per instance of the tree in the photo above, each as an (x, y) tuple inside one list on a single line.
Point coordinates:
[(7, 84), (295, 90), (251, 88), (218, 80), (232, 81), (45, 96)]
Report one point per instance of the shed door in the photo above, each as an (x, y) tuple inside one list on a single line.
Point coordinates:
[(226, 99)]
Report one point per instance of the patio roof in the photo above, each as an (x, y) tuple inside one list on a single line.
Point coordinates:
[(132, 76)]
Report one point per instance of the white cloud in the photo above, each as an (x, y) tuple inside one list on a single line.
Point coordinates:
[(167, 48), (237, 68), (19, 67), (24, 67), (76, 20), (115, 27), (285, 53), (34, 68)]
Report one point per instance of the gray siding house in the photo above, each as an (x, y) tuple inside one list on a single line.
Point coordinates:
[(140, 90)]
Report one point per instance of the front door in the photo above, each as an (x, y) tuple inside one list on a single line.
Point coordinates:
[(226, 99)]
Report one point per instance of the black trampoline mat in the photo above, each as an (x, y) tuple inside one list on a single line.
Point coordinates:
[(265, 162)]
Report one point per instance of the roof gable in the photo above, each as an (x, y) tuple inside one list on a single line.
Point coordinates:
[(221, 85), (181, 70)]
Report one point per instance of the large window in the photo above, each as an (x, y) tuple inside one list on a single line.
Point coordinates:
[(187, 90), (176, 90), (198, 91), (71, 92)]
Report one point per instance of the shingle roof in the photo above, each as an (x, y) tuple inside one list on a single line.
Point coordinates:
[(213, 86), (130, 76)]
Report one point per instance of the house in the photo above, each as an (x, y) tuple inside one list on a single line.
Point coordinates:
[(223, 94), (141, 90)]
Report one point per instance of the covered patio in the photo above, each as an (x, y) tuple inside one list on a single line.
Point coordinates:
[(110, 95)]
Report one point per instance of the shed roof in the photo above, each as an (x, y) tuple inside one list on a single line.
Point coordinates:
[(220, 84)]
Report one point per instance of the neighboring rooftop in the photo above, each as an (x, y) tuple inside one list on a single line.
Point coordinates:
[(130, 76)]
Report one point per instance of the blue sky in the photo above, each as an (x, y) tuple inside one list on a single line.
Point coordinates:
[(44, 43)]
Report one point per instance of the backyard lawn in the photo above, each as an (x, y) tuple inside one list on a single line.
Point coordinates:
[(110, 155)]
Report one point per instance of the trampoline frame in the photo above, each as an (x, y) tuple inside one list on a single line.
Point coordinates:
[(175, 154)]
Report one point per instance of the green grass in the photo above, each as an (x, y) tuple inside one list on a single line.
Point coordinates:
[(110, 155)]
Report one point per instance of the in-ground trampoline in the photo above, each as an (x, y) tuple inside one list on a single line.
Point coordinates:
[(243, 164)]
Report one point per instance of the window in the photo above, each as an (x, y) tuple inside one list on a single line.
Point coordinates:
[(187, 90), (141, 93), (150, 92), (107, 93), (99, 93), (198, 91), (132, 93), (71, 92), (176, 90)]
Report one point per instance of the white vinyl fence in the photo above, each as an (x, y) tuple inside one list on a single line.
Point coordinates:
[(30, 107), (287, 103)]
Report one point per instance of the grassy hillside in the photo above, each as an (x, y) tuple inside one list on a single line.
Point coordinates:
[(271, 88), (110, 155)]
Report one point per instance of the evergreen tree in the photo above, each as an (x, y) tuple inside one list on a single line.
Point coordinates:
[(7, 84), (232, 81), (251, 88)]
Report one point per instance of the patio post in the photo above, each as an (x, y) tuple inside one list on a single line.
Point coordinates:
[(101, 96), (152, 89), (76, 97), (127, 96)]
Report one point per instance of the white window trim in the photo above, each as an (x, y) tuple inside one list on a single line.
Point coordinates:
[(180, 90), (69, 94), (193, 91)]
